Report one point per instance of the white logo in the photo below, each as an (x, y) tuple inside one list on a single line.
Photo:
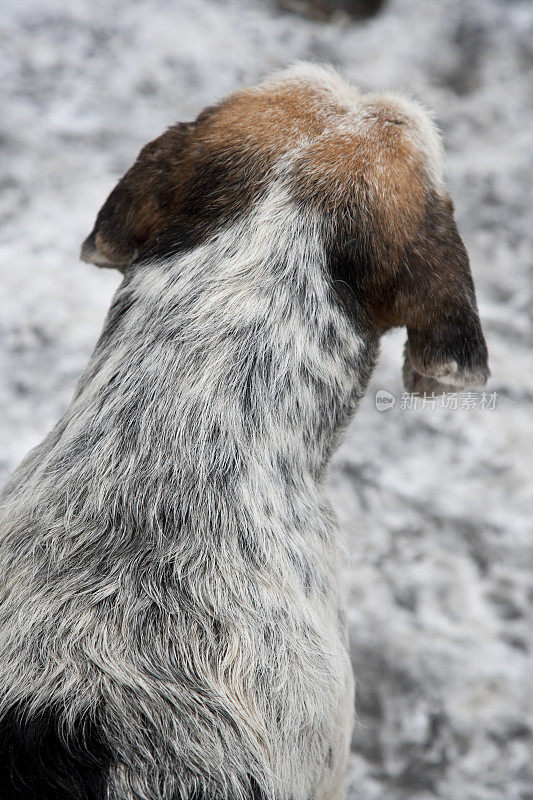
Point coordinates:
[(384, 400)]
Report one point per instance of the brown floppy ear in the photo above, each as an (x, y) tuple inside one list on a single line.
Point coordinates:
[(445, 347), (145, 201)]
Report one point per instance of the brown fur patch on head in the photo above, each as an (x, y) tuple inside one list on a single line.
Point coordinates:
[(368, 166), (203, 174), (371, 173), (197, 176)]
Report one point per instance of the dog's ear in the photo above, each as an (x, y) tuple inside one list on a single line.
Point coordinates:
[(445, 347), (144, 202)]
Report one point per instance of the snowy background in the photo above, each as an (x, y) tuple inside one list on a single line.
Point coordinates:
[(437, 505)]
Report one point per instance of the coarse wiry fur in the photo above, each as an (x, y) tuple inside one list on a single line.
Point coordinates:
[(170, 618)]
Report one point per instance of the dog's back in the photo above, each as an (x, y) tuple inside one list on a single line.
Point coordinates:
[(170, 623), (171, 563)]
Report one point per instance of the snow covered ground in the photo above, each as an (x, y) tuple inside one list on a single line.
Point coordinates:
[(436, 504)]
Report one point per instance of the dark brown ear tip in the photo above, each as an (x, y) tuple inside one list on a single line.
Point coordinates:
[(469, 378), (445, 377), (90, 254)]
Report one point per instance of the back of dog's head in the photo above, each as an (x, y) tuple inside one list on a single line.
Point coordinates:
[(367, 166)]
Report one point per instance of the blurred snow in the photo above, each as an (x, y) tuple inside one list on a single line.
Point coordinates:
[(437, 505)]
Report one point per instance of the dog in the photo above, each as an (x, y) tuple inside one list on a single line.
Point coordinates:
[(171, 618)]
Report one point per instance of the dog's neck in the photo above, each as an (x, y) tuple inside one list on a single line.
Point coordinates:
[(223, 377)]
